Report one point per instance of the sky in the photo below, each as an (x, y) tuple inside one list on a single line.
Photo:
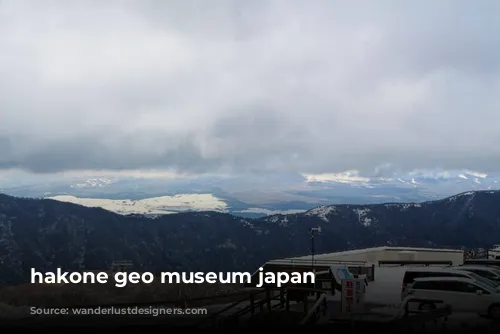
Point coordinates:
[(225, 86)]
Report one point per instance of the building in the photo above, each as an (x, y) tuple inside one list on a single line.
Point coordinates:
[(494, 253), (386, 253)]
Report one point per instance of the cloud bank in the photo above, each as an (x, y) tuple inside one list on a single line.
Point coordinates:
[(249, 86)]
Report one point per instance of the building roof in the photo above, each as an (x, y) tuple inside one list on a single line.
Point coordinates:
[(376, 249)]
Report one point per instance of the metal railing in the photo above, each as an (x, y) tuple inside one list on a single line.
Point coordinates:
[(319, 309), (215, 320), (198, 301), (258, 306), (412, 262)]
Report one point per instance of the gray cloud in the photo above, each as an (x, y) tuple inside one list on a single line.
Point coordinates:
[(238, 86)]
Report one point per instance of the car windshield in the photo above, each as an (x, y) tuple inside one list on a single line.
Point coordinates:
[(483, 272), (483, 280), (486, 287)]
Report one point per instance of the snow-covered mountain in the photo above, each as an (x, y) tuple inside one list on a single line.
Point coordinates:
[(418, 179), (93, 183), (152, 206), (253, 195)]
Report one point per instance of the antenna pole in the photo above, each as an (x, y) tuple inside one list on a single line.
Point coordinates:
[(312, 251), (313, 232)]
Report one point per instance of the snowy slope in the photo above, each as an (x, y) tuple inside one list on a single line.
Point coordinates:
[(155, 205)]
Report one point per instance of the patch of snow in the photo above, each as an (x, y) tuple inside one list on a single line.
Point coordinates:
[(322, 212), (403, 206), (247, 223), (260, 232), (270, 212), (93, 183), (273, 219), (281, 220), (345, 177), (228, 244), (454, 198), (462, 176), (152, 217), (406, 206), (363, 217), (476, 174), (154, 205)]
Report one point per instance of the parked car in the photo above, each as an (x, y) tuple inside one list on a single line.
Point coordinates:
[(462, 294), (488, 272), (419, 272), (483, 262)]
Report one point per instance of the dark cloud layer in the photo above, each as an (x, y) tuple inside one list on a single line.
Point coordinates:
[(238, 86)]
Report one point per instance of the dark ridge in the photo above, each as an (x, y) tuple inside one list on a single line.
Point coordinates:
[(46, 234)]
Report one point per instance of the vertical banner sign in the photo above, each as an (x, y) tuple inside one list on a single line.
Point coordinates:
[(347, 295), (353, 293), (340, 273)]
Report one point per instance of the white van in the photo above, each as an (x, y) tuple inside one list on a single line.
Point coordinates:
[(462, 294), (420, 272)]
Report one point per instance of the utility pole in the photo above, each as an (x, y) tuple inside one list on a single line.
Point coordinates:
[(313, 232)]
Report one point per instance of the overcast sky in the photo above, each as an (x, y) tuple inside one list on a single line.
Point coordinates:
[(249, 85)]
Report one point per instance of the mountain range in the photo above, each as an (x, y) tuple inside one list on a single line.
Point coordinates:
[(46, 234), (249, 195)]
